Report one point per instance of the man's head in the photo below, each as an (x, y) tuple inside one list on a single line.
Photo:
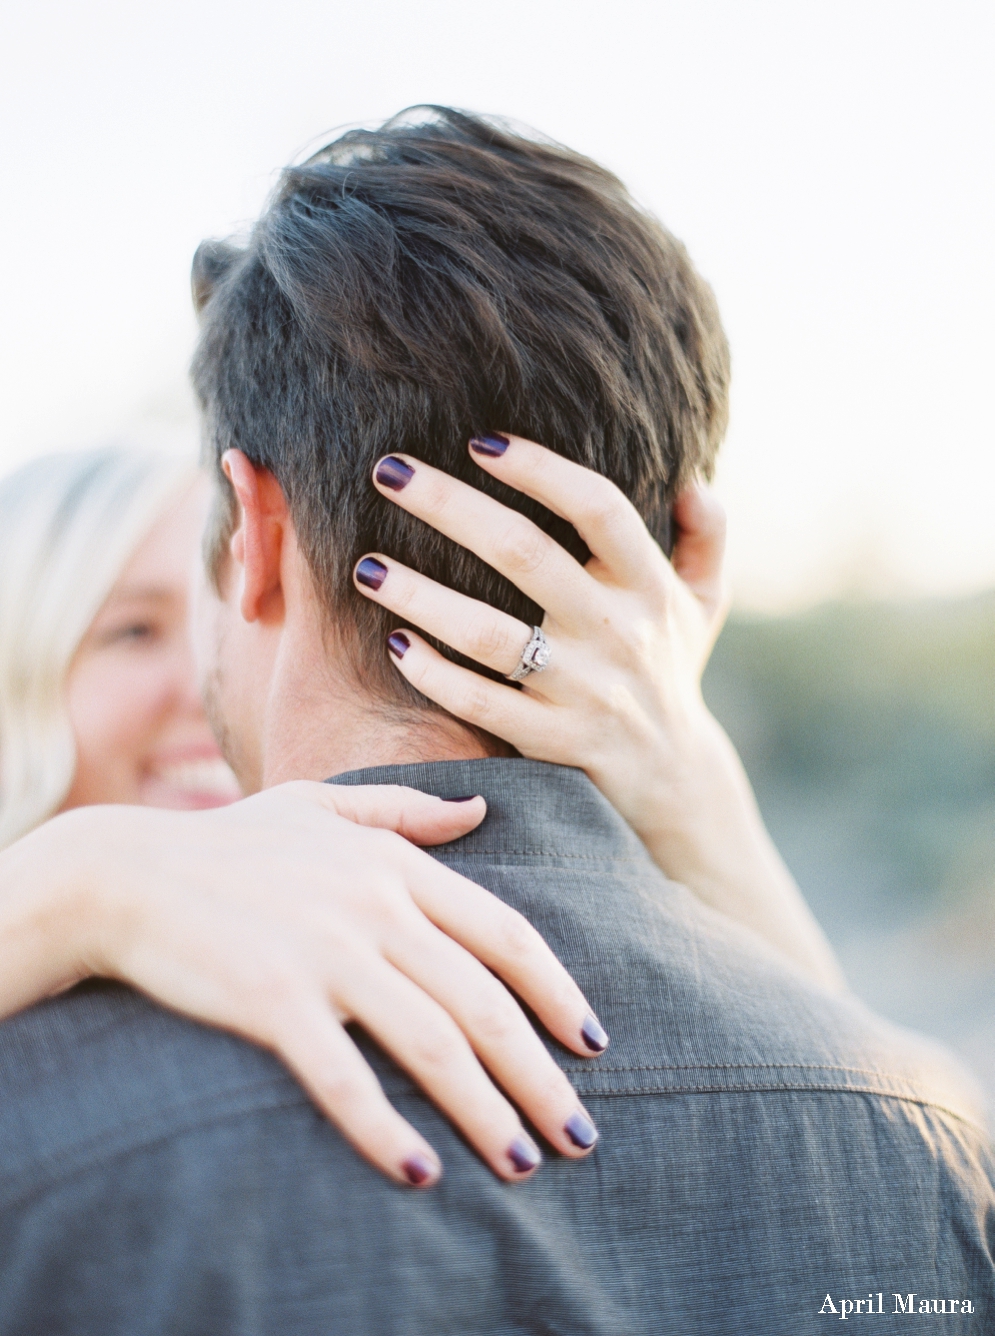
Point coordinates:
[(412, 286)]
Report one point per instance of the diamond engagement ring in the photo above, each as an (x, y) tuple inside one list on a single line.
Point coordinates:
[(535, 657)]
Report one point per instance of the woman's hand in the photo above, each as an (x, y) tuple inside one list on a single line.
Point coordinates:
[(287, 915), (630, 635)]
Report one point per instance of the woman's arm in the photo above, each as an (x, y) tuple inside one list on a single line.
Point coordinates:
[(621, 698), (291, 913)]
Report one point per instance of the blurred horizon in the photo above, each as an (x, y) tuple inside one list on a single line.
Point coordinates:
[(822, 165)]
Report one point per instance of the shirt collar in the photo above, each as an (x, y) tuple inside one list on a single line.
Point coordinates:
[(533, 808)]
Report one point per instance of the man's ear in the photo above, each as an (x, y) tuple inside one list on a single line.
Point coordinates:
[(261, 530)]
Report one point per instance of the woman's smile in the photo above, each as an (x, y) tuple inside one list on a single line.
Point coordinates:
[(188, 780)]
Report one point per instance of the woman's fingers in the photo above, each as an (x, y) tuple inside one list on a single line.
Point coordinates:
[(419, 817), (699, 551), (482, 633), (506, 943), (502, 537), (425, 1040), (491, 706), (604, 517), (331, 1068), (498, 1032)]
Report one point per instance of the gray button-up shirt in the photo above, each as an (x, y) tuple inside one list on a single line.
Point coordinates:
[(769, 1153)]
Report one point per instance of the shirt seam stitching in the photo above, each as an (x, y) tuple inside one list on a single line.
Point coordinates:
[(290, 1100), (741, 1067), (535, 853), (922, 1101)]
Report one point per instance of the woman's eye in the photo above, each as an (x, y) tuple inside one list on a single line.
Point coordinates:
[(133, 631)]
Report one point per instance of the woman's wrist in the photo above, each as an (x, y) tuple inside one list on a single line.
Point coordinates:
[(705, 831), (49, 910)]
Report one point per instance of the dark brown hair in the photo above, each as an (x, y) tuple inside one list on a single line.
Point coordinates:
[(443, 276)]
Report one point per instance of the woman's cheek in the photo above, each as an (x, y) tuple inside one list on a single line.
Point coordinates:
[(113, 705)]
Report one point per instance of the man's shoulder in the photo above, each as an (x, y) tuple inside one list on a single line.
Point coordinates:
[(696, 1003), (101, 1071), (720, 1010), (692, 1000)]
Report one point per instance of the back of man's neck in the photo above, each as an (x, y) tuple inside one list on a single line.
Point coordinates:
[(341, 735)]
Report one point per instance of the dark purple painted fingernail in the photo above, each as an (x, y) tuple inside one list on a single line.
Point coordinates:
[(418, 1169), (468, 799), (371, 572), (524, 1154), (394, 473), (493, 445), (398, 644), (581, 1130), (594, 1037)]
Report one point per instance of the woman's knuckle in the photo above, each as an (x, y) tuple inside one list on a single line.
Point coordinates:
[(439, 1048), (402, 595), (283, 1026), (474, 703), (490, 639), (496, 1020), (278, 987), (518, 938), (436, 492), (387, 911), (386, 844), (420, 671), (342, 1089), (556, 1086), (521, 547), (601, 503)]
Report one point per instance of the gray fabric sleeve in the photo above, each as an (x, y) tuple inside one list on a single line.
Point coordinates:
[(165, 1239)]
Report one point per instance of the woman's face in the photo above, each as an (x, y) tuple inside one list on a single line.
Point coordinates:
[(141, 735)]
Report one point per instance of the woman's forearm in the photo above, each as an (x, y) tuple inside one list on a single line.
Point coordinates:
[(709, 835), (46, 910), (270, 918)]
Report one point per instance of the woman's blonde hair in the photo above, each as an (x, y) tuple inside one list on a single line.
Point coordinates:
[(68, 525)]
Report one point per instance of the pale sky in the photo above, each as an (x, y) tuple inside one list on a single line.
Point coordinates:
[(828, 165)]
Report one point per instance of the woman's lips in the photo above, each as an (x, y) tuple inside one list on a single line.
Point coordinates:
[(194, 783)]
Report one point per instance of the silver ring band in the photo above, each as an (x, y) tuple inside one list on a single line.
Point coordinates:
[(535, 656)]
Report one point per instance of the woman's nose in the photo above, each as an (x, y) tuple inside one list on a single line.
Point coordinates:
[(186, 688)]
